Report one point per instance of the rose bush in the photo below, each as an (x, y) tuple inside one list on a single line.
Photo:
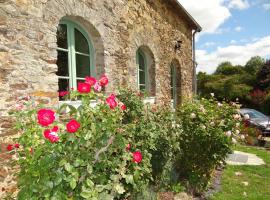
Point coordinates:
[(84, 153), (118, 148), (209, 130)]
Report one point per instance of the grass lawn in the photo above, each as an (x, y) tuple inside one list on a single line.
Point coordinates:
[(257, 177)]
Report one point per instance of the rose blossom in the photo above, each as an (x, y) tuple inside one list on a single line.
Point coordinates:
[(45, 117), (84, 87), (90, 80), (103, 81), (52, 134), (242, 137), (97, 87), (237, 131), (246, 116), (128, 147), (17, 145), (137, 157), (63, 93), (234, 141), (72, 126), (10, 147), (219, 104), (111, 101), (229, 133), (192, 115), (212, 94), (122, 106)]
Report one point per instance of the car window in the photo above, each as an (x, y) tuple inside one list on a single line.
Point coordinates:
[(255, 114)]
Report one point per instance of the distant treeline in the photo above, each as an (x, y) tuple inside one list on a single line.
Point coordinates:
[(248, 84)]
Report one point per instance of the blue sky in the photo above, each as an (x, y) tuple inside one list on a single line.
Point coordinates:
[(233, 30)]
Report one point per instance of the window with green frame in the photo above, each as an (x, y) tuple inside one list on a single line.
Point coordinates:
[(75, 55), (142, 70), (173, 85)]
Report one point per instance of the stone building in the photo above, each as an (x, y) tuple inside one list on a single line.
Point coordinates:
[(50, 45)]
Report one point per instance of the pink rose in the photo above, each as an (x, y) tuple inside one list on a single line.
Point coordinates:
[(52, 135), (97, 87), (45, 117), (111, 101), (128, 147), (90, 80), (103, 81), (137, 157), (72, 126), (63, 93), (84, 87)]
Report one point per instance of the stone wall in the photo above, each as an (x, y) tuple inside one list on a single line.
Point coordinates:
[(117, 27)]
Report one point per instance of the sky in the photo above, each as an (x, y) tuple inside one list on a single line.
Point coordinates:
[(233, 30)]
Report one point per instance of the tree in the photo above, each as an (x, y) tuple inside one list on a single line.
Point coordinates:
[(226, 68), (254, 65), (263, 77)]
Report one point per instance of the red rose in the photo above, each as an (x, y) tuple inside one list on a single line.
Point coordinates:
[(137, 157), (17, 145), (10, 147), (63, 93), (90, 80), (52, 134), (84, 87), (103, 81), (72, 126), (123, 106), (46, 117), (111, 101)]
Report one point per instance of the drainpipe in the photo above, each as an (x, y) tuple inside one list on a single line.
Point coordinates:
[(194, 81)]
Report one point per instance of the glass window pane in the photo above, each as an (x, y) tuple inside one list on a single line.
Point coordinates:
[(141, 77), (142, 87), (82, 66), (141, 62), (62, 63), (62, 36), (63, 85), (81, 44)]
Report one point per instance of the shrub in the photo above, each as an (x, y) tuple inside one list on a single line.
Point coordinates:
[(209, 128), (85, 153)]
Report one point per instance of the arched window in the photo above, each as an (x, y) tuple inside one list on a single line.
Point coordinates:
[(173, 85), (75, 55), (142, 70)]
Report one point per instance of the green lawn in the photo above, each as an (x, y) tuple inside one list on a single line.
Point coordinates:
[(257, 177)]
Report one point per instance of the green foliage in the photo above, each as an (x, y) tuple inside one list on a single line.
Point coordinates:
[(204, 143), (96, 163), (266, 104), (226, 68), (254, 65)]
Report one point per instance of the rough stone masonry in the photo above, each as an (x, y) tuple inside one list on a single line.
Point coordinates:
[(117, 28)]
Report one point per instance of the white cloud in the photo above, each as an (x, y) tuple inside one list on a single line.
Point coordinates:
[(266, 6), (233, 42), (208, 44), (210, 14), (238, 29), (238, 4), (237, 54)]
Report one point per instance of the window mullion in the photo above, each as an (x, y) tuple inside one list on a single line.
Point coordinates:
[(73, 57)]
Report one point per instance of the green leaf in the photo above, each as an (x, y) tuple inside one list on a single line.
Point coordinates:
[(119, 189), (68, 167), (89, 169), (89, 182), (73, 183), (129, 179)]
